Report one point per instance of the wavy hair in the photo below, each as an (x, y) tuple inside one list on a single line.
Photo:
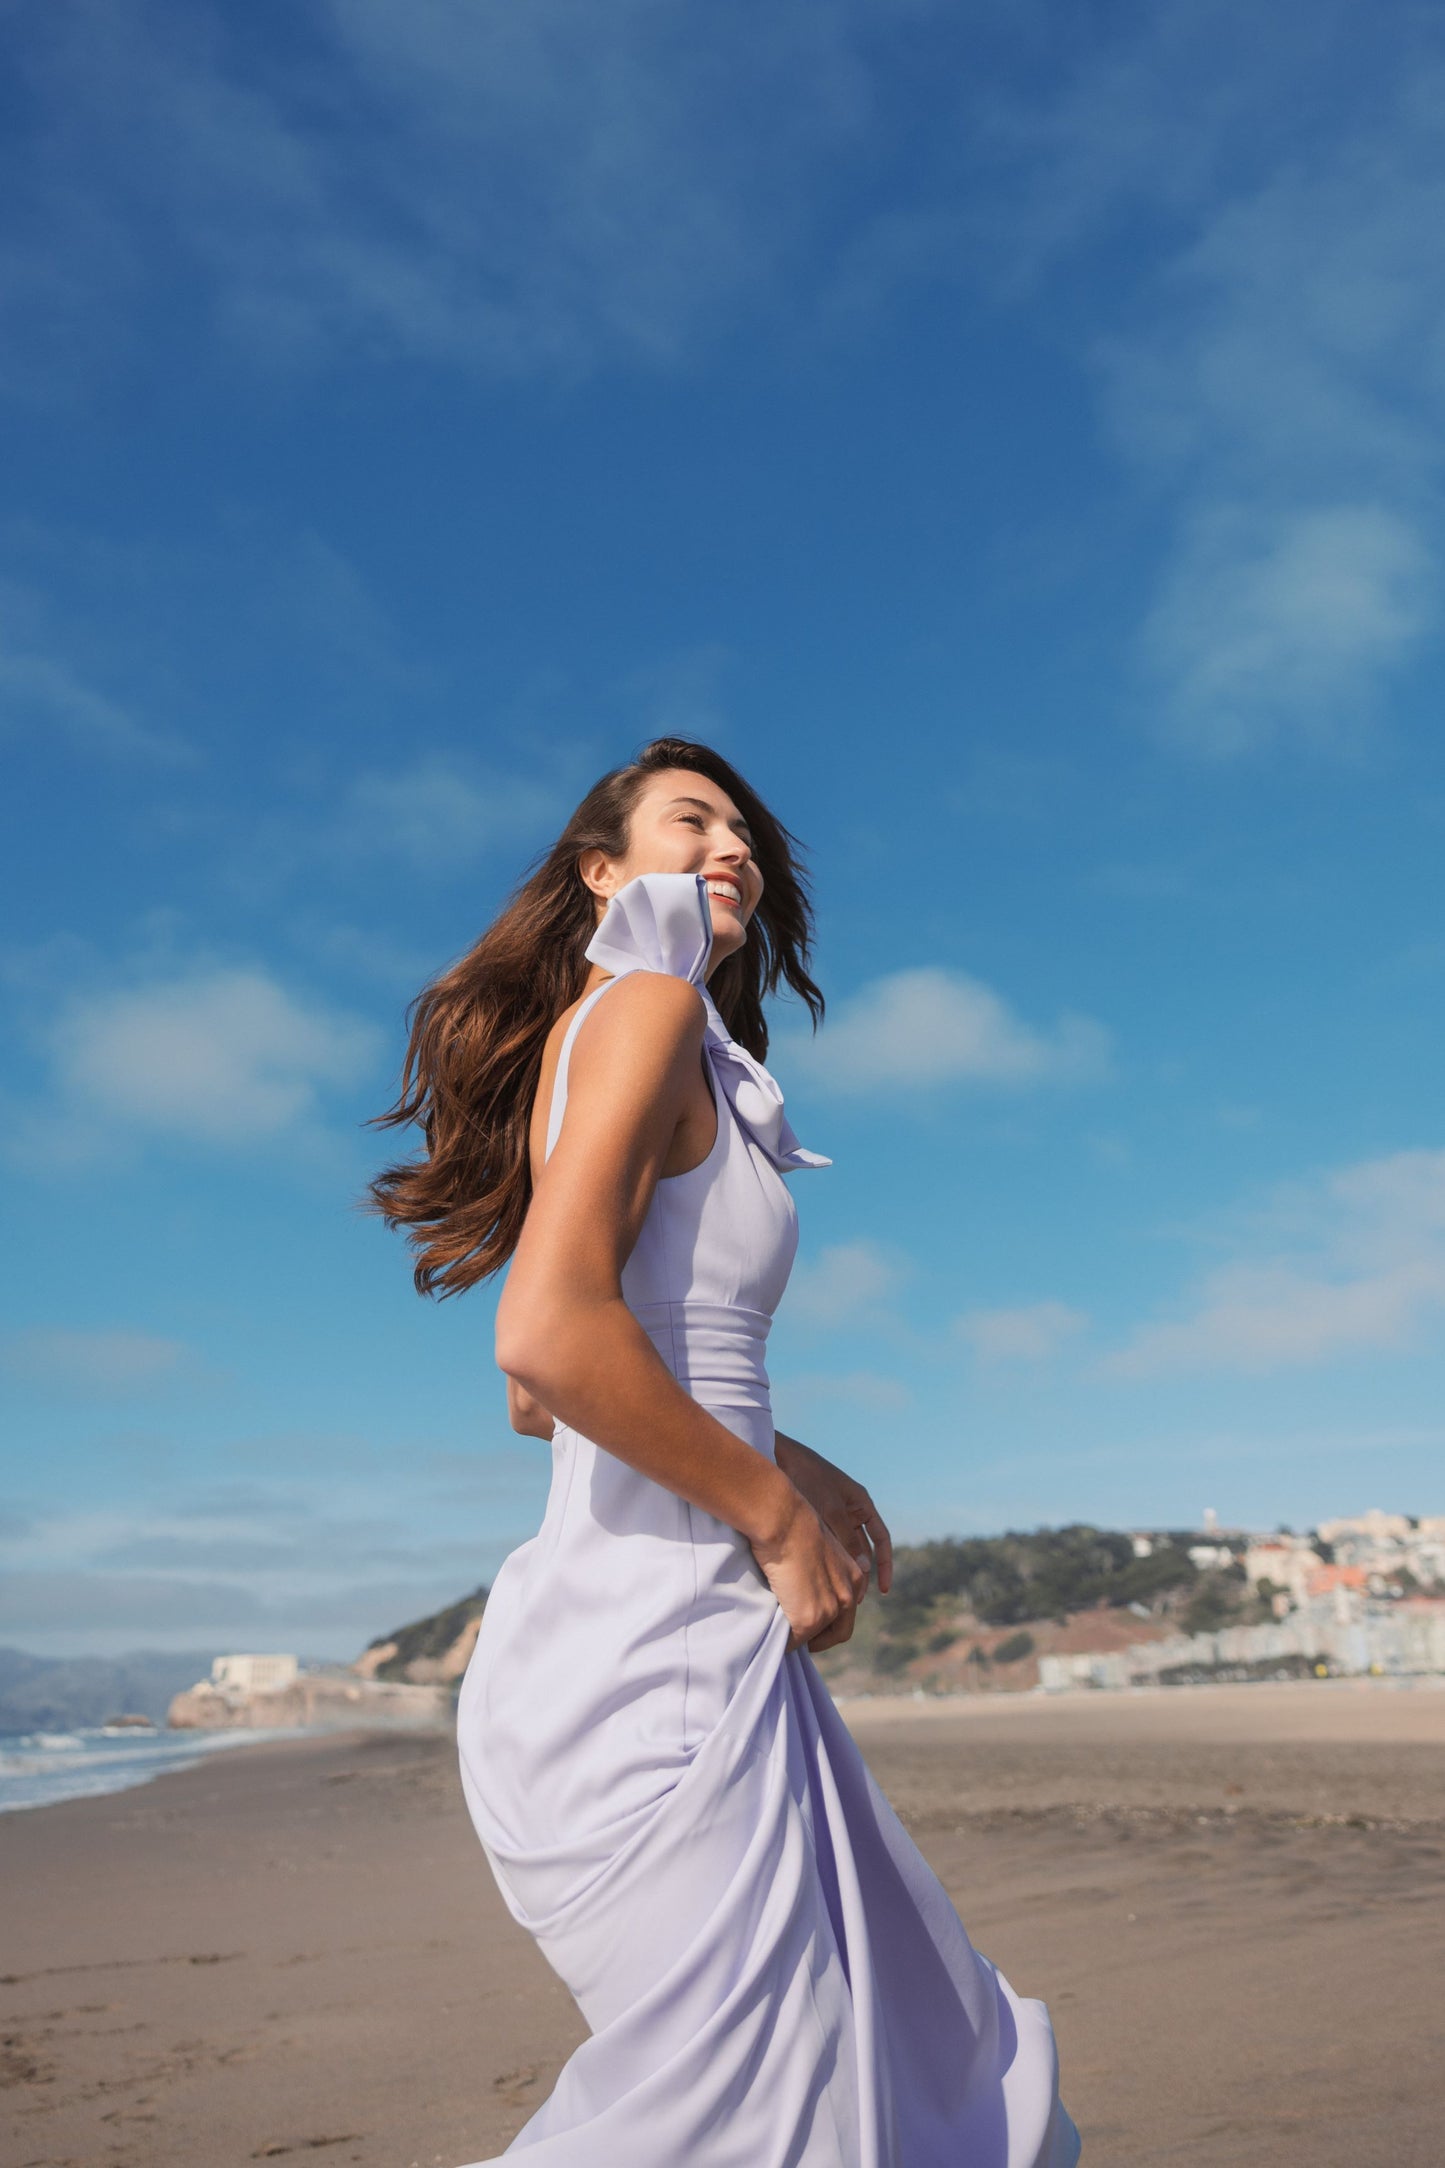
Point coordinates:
[(474, 1053)]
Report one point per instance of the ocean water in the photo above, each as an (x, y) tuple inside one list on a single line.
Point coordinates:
[(39, 1767)]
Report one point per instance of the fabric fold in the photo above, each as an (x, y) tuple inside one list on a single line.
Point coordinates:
[(663, 922)]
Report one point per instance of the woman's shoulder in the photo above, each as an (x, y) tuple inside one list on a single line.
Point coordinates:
[(641, 1009), (645, 1021)]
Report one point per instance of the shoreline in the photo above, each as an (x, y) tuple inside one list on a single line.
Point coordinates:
[(1403, 1710), (98, 1762)]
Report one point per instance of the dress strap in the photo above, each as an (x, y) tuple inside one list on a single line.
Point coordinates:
[(559, 1079)]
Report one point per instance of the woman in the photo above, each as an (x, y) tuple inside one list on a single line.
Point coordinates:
[(671, 1805)]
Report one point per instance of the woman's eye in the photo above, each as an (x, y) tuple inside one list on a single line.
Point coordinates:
[(695, 818)]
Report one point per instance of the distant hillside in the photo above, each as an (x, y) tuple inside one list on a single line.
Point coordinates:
[(1012, 1579), (965, 1614), (430, 1651), (975, 1615), (61, 1693)]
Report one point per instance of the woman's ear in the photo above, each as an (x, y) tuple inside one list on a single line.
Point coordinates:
[(597, 872)]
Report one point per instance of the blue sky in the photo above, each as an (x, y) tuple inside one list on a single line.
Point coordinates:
[(1013, 437)]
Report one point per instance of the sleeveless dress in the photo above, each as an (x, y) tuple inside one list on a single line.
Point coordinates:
[(670, 1802)]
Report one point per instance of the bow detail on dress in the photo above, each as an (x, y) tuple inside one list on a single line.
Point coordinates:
[(663, 922)]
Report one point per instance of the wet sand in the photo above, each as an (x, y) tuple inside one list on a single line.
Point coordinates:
[(1231, 1899)]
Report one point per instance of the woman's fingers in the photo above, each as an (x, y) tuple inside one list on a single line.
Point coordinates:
[(882, 1543), (861, 1530), (840, 1630)]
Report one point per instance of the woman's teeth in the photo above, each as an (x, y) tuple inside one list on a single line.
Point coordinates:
[(727, 892)]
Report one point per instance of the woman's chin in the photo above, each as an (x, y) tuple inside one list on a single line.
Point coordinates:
[(728, 931)]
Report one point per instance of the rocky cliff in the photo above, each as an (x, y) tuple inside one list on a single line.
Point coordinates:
[(430, 1651)]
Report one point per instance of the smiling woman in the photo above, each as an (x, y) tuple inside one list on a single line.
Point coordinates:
[(669, 1800)]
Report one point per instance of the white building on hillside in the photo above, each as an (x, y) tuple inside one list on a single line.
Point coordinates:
[(1372, 1527), (254, 1674)]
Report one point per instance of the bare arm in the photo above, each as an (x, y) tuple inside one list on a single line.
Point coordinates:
[(566, 1335)]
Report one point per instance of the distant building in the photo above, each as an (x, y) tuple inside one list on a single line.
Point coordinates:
[(273, 1693), (254, 1674), (1374, 1527), (1339, 1632), (1287, 1561), (1390, 1547), (1341, 1589)]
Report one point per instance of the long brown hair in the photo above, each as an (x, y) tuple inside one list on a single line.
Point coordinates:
[(474, 1055)]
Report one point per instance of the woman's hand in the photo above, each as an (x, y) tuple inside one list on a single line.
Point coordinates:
[(815, 1581), (841, 1504)]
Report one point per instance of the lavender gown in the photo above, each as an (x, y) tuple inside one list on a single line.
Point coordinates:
[(671, 1804)]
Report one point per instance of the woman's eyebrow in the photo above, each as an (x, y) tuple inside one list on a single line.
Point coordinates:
[(703, 807)]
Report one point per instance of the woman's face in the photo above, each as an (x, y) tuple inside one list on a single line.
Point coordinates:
[(684, 823)]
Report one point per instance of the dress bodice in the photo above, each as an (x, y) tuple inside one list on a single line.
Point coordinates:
[(717, 1244)]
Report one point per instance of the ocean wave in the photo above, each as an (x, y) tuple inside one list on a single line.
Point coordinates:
[(42, 1768)]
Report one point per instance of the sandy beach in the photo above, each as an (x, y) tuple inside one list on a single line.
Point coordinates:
[(1231, 1899)]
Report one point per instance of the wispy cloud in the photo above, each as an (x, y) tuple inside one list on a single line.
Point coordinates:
[(1351, 1263), (846, 1282), (223, 1056), (1256, 232), (1253, 196), (516, 190), (1284, 627), (440, 813), (46, 698), (855, 1388), (99, 1365), (679, 695), (1278, 382), (929, 1026), (1030, 1333), (300, 1563)]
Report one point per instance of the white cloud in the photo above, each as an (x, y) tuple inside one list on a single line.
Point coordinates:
[(1285, 627), (1030, 1333), (931, 1026), (441, 814), (1254, 197), (1282, 376), (103, 1365), (225, 1056), (847, 1281), (1352, 1263)]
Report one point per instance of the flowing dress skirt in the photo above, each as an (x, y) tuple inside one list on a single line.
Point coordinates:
[(674, 1809)]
